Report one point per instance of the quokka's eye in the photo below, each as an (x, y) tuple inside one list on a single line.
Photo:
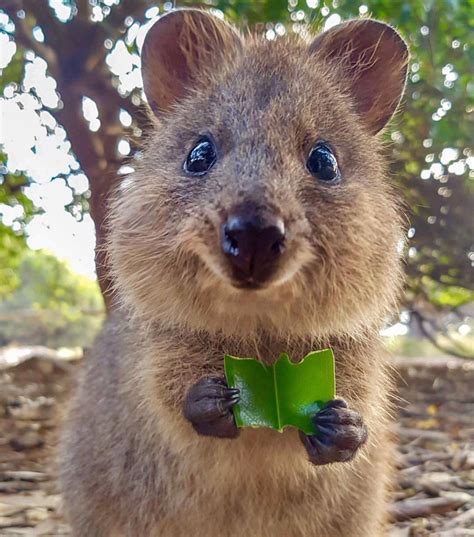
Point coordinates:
[(323, 164), (201, 158)]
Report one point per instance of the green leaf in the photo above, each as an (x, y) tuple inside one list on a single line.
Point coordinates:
[(282, 394)]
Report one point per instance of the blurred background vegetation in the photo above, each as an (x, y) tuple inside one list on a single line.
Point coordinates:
[(88, 52), (51, 306)]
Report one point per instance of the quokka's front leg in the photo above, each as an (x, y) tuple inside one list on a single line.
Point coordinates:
[(341, 433), (208, 406)]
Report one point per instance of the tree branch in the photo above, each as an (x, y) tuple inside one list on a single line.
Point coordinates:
[(24, 35), (421, 321), (128, 8), (83, 9), (52, 28)]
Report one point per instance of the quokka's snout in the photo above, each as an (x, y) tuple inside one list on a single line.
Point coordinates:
[(253, 242)]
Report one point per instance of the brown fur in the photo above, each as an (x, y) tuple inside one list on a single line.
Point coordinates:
[(131, 463)]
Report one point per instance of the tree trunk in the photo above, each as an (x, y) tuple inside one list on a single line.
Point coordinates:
[(75, 54)]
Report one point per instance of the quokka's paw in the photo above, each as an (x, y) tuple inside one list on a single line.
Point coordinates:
[(208, 406), (341, 432)]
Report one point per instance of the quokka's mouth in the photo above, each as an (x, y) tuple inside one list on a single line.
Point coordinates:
[(249, 285)]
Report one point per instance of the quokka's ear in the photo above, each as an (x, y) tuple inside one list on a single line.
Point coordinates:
[(373, 59), (179, 50)]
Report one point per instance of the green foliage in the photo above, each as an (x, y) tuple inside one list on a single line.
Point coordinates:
[(11, 193), (12, 240), (52, 305), (13, 73), (450, 296), (11, 248)]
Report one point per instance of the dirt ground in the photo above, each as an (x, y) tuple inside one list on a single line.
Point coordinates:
[(435, 492)]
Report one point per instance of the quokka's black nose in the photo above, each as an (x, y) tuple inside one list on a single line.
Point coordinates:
[(253, 245)]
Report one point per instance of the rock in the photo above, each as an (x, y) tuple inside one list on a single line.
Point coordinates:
[(465, 519), (9, 510), (25, 409), (10, 457), (434, 482), (9, 521), (409, 435), (414, 508), (23, 476), (16, 486), (28, 440), (459, 532), (461, 496), (39, 357), (31, 500), (400, 532), (36, 515), (49, 527)]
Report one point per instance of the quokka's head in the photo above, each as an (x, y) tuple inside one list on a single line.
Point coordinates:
[(260, 200)]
